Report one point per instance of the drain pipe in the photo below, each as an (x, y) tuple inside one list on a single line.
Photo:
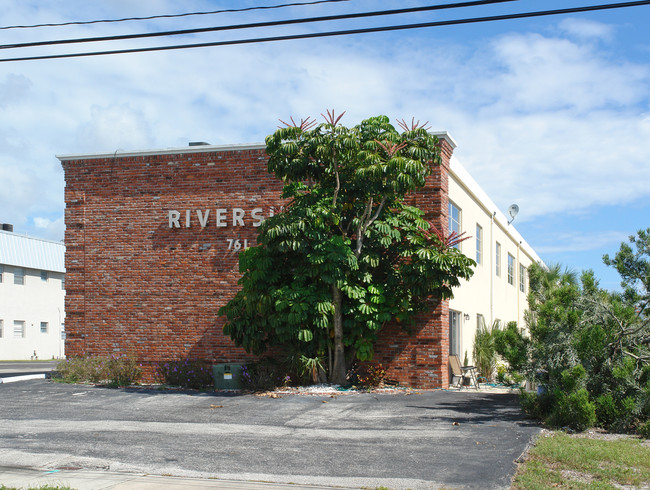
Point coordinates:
[(492, 268)]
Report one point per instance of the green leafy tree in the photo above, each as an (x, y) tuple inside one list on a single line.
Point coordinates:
[(633, 264), (347, 254), (589, 348)]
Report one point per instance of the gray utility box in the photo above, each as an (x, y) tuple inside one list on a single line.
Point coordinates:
[(227, 376)]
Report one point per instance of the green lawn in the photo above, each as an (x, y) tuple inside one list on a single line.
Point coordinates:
[(559, 460)]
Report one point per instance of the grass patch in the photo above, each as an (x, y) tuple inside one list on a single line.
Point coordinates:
[(565, 461)]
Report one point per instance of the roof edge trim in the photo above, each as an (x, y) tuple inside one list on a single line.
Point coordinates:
[(168, 151)]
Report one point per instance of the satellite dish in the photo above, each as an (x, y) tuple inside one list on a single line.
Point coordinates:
[(512, 212)]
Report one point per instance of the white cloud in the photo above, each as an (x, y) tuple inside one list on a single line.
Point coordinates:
[(115, 127), (586, 29), (554, 122), (13, 89), (581, 242), (50, 229)]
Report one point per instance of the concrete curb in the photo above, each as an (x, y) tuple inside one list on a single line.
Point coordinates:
[(25, 377), (23, 477)]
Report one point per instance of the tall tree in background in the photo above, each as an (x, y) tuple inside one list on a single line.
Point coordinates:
[(589, 348), (347, 254)]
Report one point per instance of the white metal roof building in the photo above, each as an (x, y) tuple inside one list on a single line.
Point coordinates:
[(32, 294)]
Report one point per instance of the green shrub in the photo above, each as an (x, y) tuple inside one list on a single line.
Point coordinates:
[(644, 429), (484, 353), (536, 405), (573, 410), (123, 370), (263, 375), (606, 410), (115, 370), (511, 344), (186, 373), (373, 377), (81, 370)]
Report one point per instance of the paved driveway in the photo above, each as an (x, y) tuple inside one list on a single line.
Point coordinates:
[(424, 440), (22, 368)]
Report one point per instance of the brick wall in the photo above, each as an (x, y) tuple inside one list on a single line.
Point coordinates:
[(135, 285)]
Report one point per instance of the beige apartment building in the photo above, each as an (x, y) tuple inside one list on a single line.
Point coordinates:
[(499, 287)]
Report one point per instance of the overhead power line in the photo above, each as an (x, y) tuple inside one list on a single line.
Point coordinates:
[(342, 32), (274, 23), (170, 16)]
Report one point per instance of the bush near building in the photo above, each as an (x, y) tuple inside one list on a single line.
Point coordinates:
[(589, 349)]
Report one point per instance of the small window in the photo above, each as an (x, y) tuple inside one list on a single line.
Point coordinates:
[(44, 276), (19, 329), (454, 220), (522, 278), (19, 276), (43, 327), (480, 321), (1, 328), (63, 282), (2, 269), (511, 270), (498, 259)]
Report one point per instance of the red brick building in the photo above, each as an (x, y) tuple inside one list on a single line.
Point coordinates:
[(152, 240)]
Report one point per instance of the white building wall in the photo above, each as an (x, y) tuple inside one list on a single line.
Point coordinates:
[(486, 293), (37, 301)]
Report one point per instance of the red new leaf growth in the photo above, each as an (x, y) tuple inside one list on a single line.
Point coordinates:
[(440, 240), (391, 148), (414, 125), (305, 124), (331, 117)]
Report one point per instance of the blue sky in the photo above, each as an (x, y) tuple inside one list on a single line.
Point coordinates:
[(551, 113)]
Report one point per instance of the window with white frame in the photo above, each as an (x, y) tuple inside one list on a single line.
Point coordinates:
[(63, 282), (522, 278), (511, 270), (19, 276), (480, 321), (44, 327), (19, 329), (454, 220), (454, 333), (479, 244), (2, 270), (497, 259), (1, 328), (44, 276)]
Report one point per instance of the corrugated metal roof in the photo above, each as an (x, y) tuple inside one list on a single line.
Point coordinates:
[(31, 253)]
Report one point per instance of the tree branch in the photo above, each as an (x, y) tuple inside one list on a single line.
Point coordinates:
[(366, 221)]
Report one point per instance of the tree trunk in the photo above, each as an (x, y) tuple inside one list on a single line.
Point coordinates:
[(338, 373)]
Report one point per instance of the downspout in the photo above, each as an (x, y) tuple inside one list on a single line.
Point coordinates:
[(518, 285), (492, 268)]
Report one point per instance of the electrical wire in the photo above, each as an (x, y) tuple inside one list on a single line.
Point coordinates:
[(170, 16), (275, 23), (341, 32)]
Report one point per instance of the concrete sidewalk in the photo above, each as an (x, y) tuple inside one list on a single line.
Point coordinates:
[(81, 479)]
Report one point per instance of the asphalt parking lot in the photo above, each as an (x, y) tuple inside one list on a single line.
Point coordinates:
[(425, 439)]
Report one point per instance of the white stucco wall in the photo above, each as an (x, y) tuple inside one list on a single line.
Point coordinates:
[(487, 293), (35, 301)]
